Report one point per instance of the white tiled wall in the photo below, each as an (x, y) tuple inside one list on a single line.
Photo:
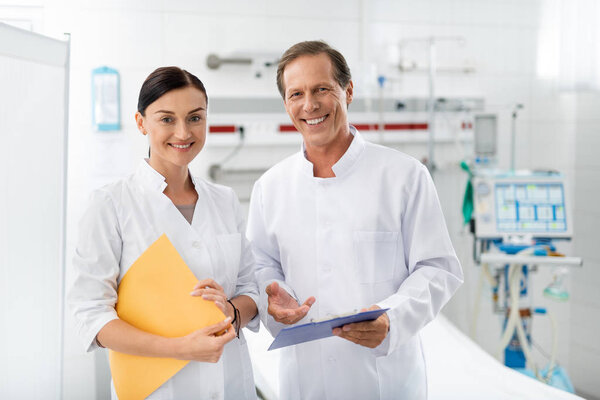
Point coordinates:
[(585, 306), (554, 130)]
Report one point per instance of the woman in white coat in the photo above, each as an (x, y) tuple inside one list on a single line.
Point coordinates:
[(204, 223)]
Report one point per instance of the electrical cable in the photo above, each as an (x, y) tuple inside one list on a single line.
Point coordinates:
[(236, 149), (215, 169)]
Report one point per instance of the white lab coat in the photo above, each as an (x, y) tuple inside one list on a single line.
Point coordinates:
[(374, 234), (126, 217)]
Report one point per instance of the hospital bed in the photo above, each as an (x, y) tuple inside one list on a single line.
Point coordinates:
[(457, 368)]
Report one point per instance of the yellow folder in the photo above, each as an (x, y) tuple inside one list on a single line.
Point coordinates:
[(154, 296)]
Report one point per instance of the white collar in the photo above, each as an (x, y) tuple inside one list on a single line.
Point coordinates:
[(345, 163), (151, 178)]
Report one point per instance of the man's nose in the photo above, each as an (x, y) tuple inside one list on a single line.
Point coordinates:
[(310, 103)]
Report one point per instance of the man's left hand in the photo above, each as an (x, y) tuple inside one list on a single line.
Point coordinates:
[(369, 333)]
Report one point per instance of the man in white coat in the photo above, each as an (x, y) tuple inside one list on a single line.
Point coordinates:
[(347, 225)]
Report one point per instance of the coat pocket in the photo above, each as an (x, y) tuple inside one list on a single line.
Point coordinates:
[(375, 256)]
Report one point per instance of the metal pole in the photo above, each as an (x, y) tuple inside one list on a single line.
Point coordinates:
[(431, 41), (513, 136), (381, 127)]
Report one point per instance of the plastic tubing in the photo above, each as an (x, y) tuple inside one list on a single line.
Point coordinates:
[(485, 274), (473, 330), (514, 318), (552, 363), (514, 294), (514, 322)]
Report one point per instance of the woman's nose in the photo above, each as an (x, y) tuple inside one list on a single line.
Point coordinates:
[(182, 132)]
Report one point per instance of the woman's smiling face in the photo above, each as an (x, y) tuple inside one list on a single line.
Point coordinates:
[(176, 126)]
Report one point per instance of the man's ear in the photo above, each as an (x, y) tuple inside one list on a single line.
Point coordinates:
[(349, 93)]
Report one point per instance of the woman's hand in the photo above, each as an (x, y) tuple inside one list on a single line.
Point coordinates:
[(212, 291), (206, 344)]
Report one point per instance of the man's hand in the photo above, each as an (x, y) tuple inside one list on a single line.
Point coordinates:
[(369, 333), (283, 308)]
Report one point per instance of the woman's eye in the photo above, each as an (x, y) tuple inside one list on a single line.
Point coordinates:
[(195, 118), (166, 120)]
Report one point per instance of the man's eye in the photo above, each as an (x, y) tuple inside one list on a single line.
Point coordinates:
[(322, 89), (295, 94)]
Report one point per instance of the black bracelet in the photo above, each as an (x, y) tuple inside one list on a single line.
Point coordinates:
[(236, 317), (239, 323), (234, 311)]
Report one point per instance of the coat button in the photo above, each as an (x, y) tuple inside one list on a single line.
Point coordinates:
[(196, 245)]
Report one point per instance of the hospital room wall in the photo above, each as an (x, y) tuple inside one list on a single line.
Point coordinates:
[(585, 301), (501, 42)]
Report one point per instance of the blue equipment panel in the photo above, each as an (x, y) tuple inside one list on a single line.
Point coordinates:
[(530, 207)]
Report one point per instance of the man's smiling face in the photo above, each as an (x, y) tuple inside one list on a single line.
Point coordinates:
[(315, 102)]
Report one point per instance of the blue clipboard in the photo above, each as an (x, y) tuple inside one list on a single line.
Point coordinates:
[(319, 330)]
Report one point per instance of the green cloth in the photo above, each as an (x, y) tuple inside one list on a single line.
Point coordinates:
[(467, 207)]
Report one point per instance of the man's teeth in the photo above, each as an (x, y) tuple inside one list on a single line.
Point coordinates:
[(315, 121), (181, 146)]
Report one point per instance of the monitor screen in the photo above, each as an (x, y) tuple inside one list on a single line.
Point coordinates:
[(530, 207), (485, 135)]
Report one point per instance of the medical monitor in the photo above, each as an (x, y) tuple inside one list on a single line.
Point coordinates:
[(486, 127), (519, 205)]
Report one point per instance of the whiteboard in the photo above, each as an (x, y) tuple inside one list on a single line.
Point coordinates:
[(33, 133)]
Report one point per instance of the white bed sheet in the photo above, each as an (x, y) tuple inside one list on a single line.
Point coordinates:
[(457, 368)]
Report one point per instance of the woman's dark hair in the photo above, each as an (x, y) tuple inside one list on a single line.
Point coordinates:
[(163, 80)]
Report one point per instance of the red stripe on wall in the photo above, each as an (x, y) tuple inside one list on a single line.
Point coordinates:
[(406, 127), (372, 127), (287, 128), (222, 129)]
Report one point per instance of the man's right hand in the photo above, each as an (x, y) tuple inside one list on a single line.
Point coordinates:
[(283, 307)]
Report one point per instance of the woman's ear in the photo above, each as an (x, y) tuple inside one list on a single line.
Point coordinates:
[(139, 121)]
